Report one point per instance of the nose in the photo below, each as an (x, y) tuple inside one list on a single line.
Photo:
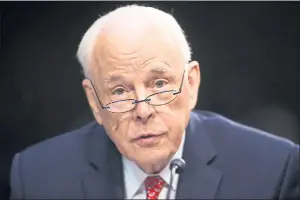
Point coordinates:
[(143, 111)]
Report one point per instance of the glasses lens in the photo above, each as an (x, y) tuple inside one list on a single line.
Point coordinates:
[(156, 99), (121, 106), (162, 98)]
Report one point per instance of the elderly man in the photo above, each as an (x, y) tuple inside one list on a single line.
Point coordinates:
[(142, 87)]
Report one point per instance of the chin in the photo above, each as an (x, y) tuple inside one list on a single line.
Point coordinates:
[(153, 162)]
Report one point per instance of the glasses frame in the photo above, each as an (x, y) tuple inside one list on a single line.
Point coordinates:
[(135, 101)]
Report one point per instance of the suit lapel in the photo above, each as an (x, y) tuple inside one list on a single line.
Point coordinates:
[(103, 178), (199, 180)]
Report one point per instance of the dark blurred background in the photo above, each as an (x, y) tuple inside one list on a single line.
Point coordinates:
[(249, 55)]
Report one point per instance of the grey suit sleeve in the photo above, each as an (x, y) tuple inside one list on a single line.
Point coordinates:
[(290, 184), (16, 184)]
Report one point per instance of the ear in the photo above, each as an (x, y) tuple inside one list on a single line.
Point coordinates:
[(194, 79), (92, 99)]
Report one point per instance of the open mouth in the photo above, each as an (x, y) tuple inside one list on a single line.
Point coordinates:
[(148, 140), (147, 136)]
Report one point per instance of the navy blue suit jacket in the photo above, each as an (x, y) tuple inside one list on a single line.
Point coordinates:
[(225, 160)]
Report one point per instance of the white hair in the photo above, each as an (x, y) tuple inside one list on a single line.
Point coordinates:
[(85, 49)]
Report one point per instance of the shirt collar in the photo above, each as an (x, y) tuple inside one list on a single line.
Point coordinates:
[(135, 176)]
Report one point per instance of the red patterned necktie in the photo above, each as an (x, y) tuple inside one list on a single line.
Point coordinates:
[(154, 185)]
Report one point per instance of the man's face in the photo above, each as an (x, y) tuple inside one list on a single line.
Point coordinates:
[(143, 64)]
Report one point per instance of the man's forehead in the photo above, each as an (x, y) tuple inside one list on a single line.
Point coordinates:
[(119, 52), (145, 45), (158, 56)]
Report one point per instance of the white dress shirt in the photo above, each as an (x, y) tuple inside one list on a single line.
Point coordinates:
[(134, 178)]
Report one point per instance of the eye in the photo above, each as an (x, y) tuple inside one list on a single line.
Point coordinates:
[(118, 91), (160, 83)]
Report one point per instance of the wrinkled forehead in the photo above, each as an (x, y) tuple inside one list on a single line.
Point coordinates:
[(126, 49)]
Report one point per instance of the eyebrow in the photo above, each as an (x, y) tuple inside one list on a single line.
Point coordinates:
[(115, 78), (160, 70)]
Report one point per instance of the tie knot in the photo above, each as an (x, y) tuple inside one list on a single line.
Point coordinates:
[(154, 180), (154, 185)]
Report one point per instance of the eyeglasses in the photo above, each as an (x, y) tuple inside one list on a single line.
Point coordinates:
[(156, 99)]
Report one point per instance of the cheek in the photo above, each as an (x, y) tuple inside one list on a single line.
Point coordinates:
[(176, 117), (176, 126), (182, 100), (178, 110), (117, 126)]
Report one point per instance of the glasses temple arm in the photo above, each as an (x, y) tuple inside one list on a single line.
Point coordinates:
[(180, 88), (103, 107)]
